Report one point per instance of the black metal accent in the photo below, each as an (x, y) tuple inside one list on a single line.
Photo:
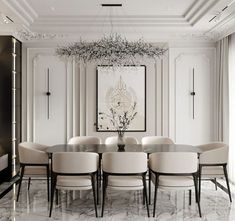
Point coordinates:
[(111, 5), (48, 93), (155, 193), (150, 187), (196, 193), (190, 197), (193, 94)]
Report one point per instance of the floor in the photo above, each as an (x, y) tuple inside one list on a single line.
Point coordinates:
[(33, 206)]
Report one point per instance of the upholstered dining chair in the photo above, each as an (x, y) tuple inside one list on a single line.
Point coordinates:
[(174, 171), (213, 164), (124, 171), (74, 171), (127, 140), (155, 140), (87, 140), (34, 162), (84, 140)]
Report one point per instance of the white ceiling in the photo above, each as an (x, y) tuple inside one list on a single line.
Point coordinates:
[(153, 19)]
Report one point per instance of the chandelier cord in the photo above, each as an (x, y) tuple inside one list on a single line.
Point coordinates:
[(110, 19)]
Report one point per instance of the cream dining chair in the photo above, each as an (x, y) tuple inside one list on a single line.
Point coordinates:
[(84, 140), (156, 140), (174, 171), (124, 171), (150, 140), (74, 171), (213, 164), (127, 140), (34, 162)]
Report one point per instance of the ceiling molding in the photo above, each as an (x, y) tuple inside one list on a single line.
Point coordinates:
[(23, 10), (198, 9)]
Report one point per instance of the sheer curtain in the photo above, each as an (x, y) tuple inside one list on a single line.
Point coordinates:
[(222, 92), (232, 108)]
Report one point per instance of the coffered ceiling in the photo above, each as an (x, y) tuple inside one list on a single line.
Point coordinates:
[(153, 19)]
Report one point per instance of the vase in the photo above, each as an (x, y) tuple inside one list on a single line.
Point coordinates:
[(121, 142)]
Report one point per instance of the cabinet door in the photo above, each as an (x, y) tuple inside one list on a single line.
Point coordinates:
[(193, 117), (49, 110)]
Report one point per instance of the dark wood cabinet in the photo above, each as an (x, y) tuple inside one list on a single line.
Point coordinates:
[(10, 105)]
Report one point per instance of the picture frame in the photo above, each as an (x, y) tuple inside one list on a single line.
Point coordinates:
[(121, 90)]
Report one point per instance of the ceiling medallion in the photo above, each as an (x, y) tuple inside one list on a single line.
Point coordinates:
[(111, 50)]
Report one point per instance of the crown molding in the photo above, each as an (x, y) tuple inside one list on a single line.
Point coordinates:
[(198, 9), (23, 10), (223, 28)]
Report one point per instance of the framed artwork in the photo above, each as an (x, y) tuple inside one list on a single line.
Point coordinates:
[(121, 96)]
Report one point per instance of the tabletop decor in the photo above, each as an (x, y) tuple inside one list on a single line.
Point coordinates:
[(121, 91), (120, 121), (111, 49)]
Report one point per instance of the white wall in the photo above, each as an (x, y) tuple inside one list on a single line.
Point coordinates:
[(73, 99), (78, 100), (183, 127)]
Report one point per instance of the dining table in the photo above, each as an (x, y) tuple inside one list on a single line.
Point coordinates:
[(102, 148)]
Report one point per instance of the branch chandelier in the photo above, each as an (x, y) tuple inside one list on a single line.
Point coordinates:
[(112, 49)]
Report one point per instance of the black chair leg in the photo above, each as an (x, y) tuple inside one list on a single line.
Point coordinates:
[(199, 182), (48, 185), (57, 196), (94, 194), (104, 193), (190, 197), (149, 187), (21, 178), (197, 195), (155, 195), (53, 185), (215, 184), (227, 182), (143, 197), (97, 186), (145, 193), (29, 182)]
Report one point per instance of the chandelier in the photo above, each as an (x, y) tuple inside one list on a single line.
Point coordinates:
[(111, 49)]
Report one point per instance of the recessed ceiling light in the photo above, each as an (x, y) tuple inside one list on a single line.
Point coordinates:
[(6, 19), (218, 15), (52, 8)]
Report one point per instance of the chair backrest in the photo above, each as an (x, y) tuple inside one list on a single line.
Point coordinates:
[(173, 162), (85, 140), (124, 162), (213, 153), (32, 153), (127, 140), (75, 162), (156, 140)]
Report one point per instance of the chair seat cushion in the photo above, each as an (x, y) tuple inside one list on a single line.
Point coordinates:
[(212, 171), (35, 170), (125, 182), (74, 182), (174, 182)]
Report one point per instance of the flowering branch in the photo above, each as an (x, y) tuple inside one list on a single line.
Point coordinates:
[(120, 122)]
